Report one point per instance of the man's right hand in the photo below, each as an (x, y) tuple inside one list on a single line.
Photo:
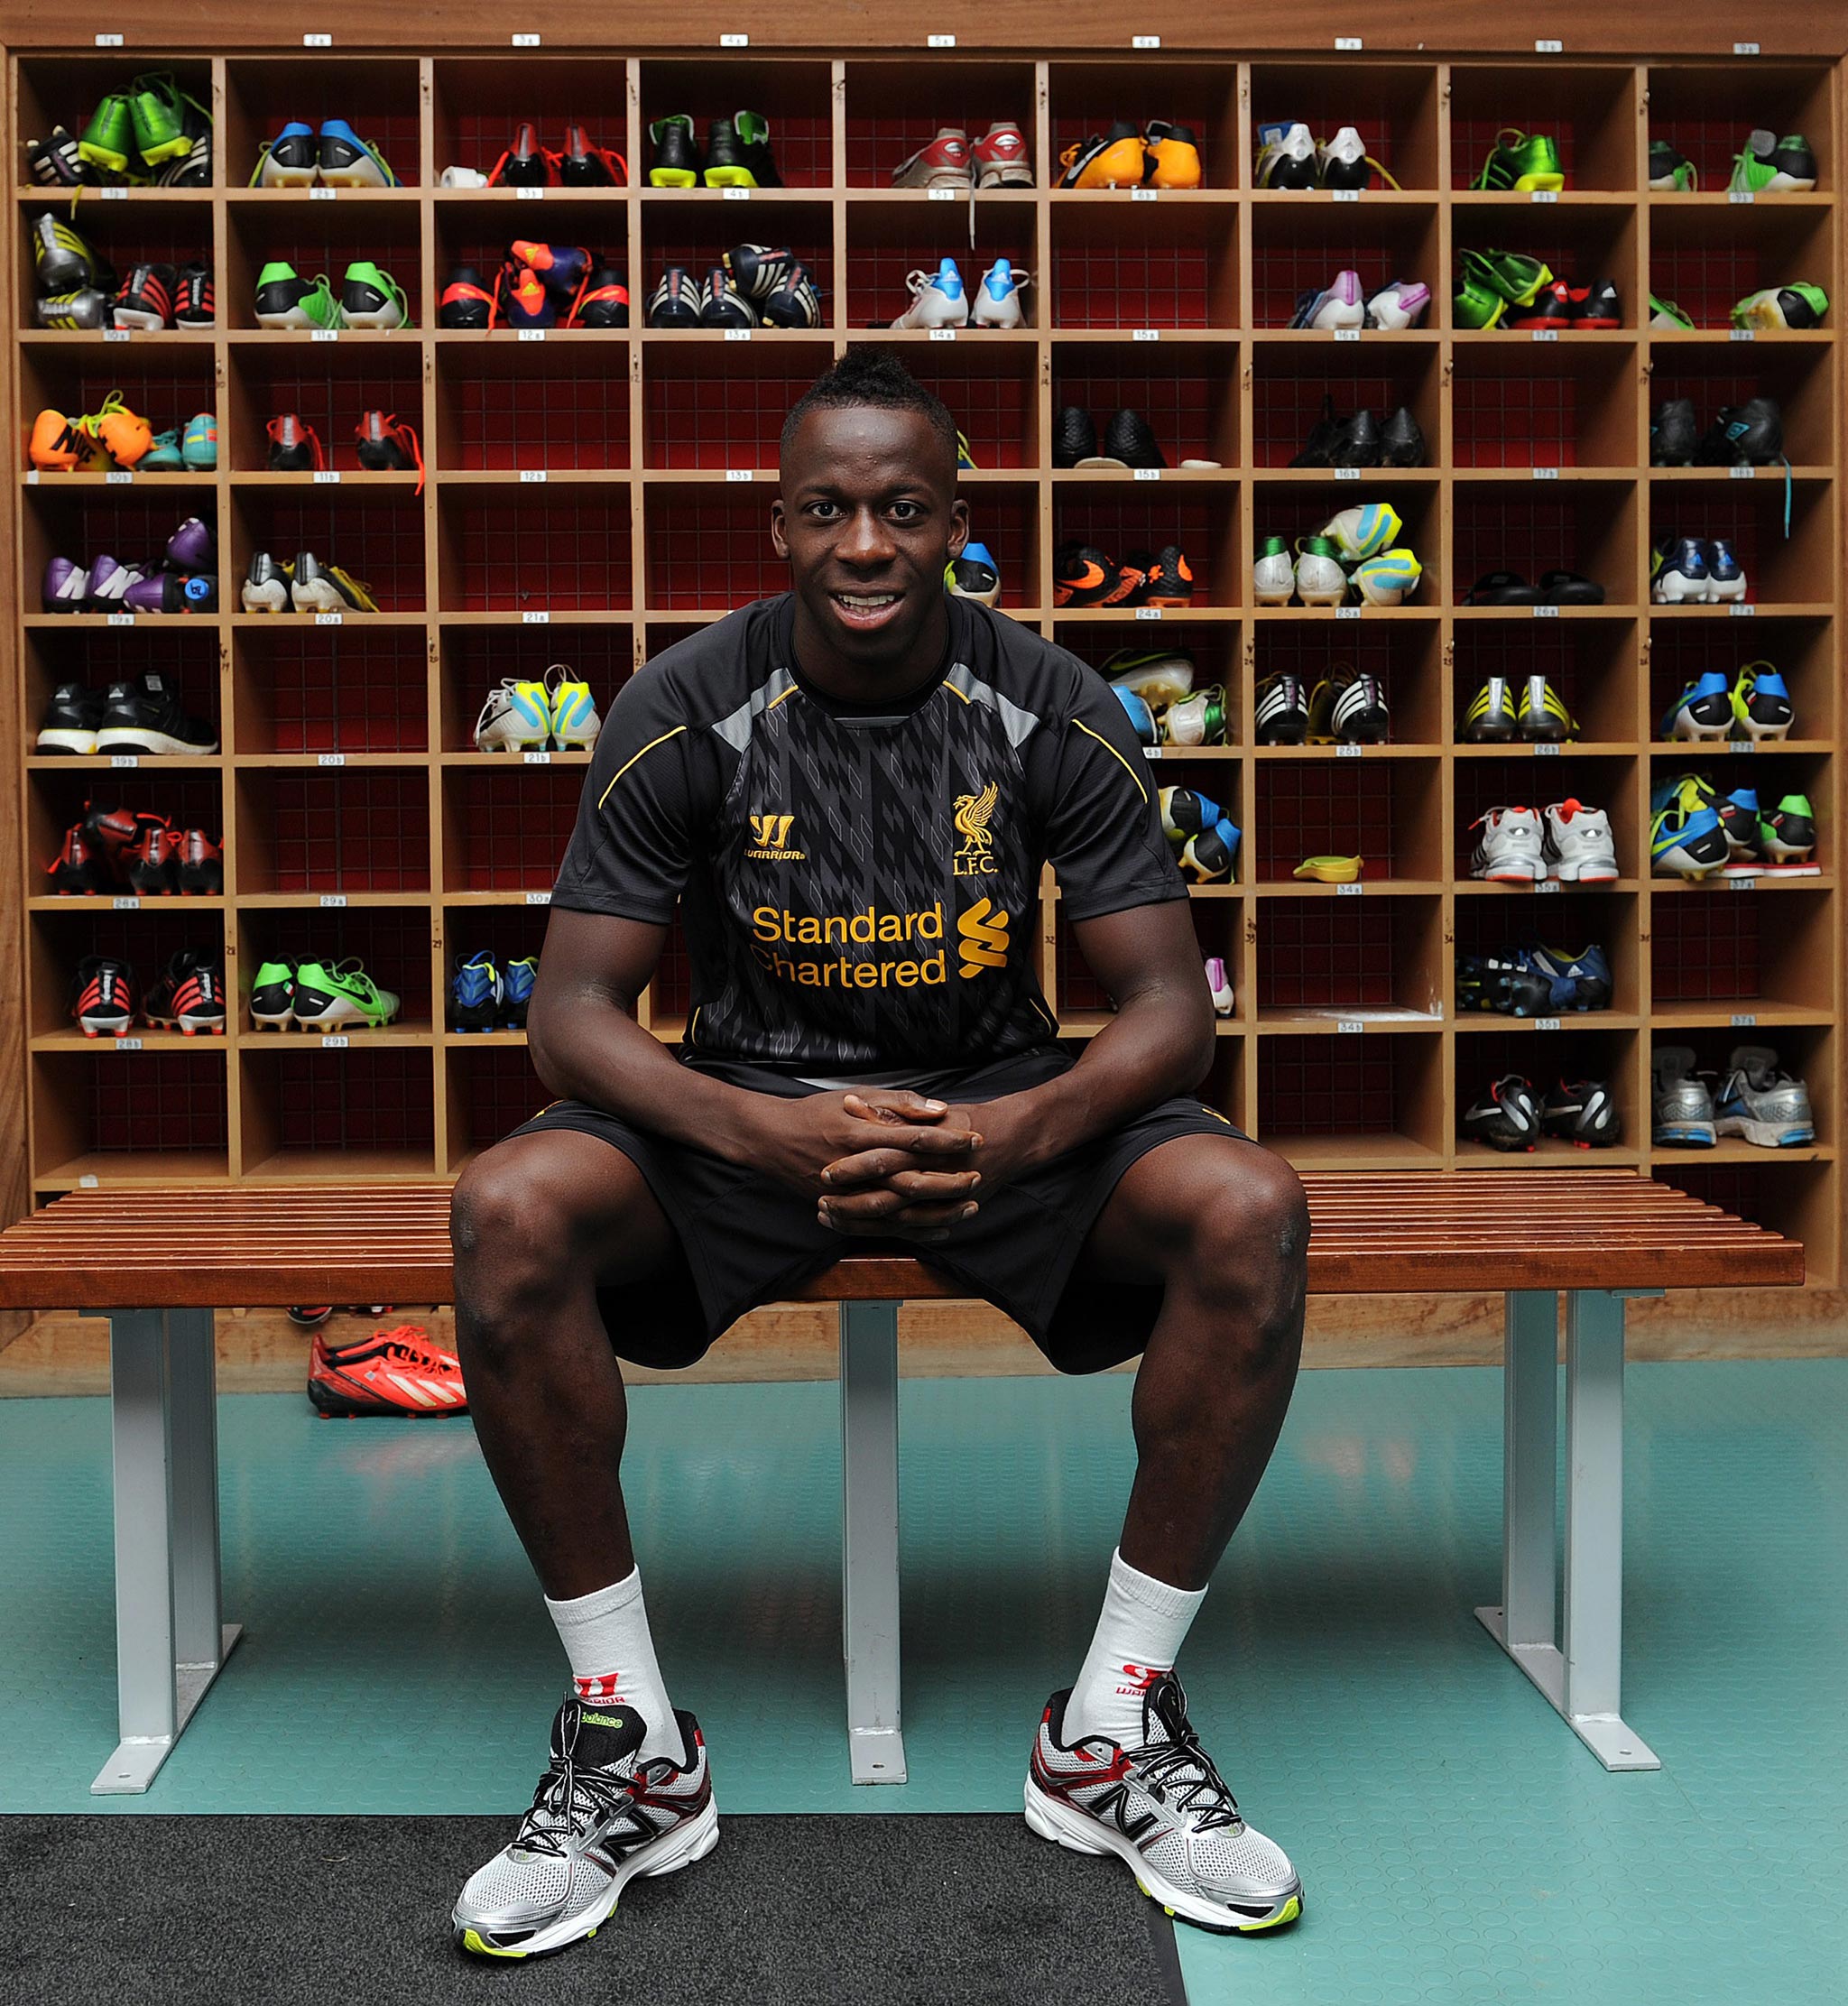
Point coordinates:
[(897, 1143)]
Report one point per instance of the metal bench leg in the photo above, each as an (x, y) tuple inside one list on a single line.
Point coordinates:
[(869, 1539), (169, 1641), (1580, 1681)]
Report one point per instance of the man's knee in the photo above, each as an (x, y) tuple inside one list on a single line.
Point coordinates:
[(1250, 1240), (517, 1218)]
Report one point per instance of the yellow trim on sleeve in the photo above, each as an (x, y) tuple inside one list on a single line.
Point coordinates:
[(1142, 787), (625, 767)]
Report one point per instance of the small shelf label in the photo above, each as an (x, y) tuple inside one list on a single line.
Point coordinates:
[(530, 334), (128, 1044), (1547, 748), (1145, 194), (1145, 334), (1147, 473), (1740, 198), (1547, 884), (1741, 610), (537, 759), (121, 619), (1347, 44), (331, 759), (939, 42), (738, 473), (1548, 48), (334, 1041), (525, 41), (1744, 1020), (112, 195), (1145, 42), (1350, 1027), (118, 478), (536, 616), (1347, 333), (115, 41), (329, 619), (1743, 885), (1742, 334), (1347, 613), (1543, 195), (1738, 48), (316, 42), (128, 904), (737, 334), (539, 898), (1347, 473), (332, 901), (1546, 612), (1545, 1023), (324, 334), (1349, 891), (1148, 612), (941, 194), (1742, 745), (1349, 752), (1343, 195), (323, 194), (737, 195), (529, 194), (734, 42), (533, 476), (115, 334), (1152, 752), (89, 1181), (324, 476), (123, 760), (1546, 334), (1545, 472), (1742, 473), (943, 334)]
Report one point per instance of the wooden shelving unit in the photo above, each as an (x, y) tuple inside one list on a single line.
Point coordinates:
[(591, 497)]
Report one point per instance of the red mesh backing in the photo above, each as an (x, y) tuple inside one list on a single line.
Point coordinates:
[(1317, 953), (1703, 950), (470, 238), (1578, 661), (348, 691), (1327, 100), (1317, 810), (282, 233), (497, 1090), (1203, 528), (478, 139), (348, 830), (128, 235), (1706, 272), (1569, 920), (1311, 652), (1185, 401), (152, 1101), (1742, 1190), (670, 992), (712, 552), (393, 944), (700, 410), (511, 827), (1551, 1059), (131, 526), (354, 1099), (878, 271), (394, 131), (993, 398), (146, 940), (1529, 537), (1293, 255), (1286, 408), (579, 420), (1680, 650), (1529, 420), (508, 932), (537, 551), (1753, 523), (1009, 524), (379, 542), (801, 143), (1326, 1086), (1161, 276)]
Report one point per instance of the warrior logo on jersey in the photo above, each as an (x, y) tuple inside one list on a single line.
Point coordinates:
[(973, 814), (769, 840)]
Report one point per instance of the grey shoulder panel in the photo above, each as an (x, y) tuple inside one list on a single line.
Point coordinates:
[(736, 728), (1019, 724)]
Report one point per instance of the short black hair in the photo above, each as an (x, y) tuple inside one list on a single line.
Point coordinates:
[(876, 377)]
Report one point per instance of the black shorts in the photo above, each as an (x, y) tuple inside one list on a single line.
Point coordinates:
[(746, 1239)]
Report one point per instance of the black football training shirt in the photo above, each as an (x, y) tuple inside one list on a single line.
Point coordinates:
[(860, 892)]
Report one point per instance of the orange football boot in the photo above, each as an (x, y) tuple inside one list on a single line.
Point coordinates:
[(125, 436), (399, 1372), (1174, 155), (58, 445), (1117, 160)]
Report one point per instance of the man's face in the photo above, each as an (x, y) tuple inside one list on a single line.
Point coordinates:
[(868, 517)]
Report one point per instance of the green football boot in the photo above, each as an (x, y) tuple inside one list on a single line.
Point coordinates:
[(1517, 279), (286, 300), (1772, 166), (1667, 318), (1521, 162), (1797, 307), (334, 995), (108, 139), (1473, 305), (1671, 171), (157, 109)]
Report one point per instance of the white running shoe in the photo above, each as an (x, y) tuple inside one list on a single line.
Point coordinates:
[(1577, 844), (997, 302), (1511, 849), (599, 1820), (1398, 306), (937, 299), (1337, 306), (944, 163), (1164, 1810)]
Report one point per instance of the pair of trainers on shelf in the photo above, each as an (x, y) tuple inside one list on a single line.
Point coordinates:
[(753, 283)]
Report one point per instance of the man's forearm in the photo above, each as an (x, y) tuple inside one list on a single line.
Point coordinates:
[(1151, 1049), (587, 1048)]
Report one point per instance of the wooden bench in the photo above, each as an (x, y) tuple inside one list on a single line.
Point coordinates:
[(1599, 1235)]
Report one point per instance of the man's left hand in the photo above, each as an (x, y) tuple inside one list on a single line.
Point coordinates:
[(885, 1192)]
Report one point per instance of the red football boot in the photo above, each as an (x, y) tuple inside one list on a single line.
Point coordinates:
[(396, 1371)]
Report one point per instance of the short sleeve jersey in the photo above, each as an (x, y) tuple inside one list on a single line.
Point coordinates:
[(860, 892)]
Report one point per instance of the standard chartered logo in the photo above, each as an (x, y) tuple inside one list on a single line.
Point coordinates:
[(983, 933)]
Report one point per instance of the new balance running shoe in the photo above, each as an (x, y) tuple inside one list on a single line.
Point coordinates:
[(62, 261), (195, 302), (1703, 710), (738, 155), (675, 301), (401, 1372), (1681, 1103), (290, 159), (476, 992), (997, 300), (348, 160), (370, 297), (676, 162), (68, 724), (465, 303), (1761, 1103), (516, 990), (189, 994), (943, 164), (145, 716), (600, 1819), (516, 718), (1768, 165), (1000, 158), (1507, 1117), (1511, 849), (102, 1000), (574, 719), (1283, 711), (1163, 1809), (1686, 838), (1761, 706), (286, 300), (973, 574), (145, 300), (939, 298), (1795, 307), (315, 588), (339, 995), (1578, 844), (1582, 1113), (272, 996), (1521, 162), (201, 866)]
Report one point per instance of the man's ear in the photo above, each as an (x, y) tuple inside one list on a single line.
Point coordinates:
[(779, 543), (958, 525)]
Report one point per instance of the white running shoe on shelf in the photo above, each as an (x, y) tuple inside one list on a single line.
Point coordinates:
[(1511, 849), (997, 302), (1339, 305), (1578, 847), (939, 299)]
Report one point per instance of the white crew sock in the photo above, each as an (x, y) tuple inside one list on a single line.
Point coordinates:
[(606, 1636), (1139, 1636)]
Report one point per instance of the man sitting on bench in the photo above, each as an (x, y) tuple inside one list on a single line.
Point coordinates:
[(848, 792)]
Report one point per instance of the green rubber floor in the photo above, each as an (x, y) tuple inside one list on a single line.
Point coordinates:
[(1455, 1840)]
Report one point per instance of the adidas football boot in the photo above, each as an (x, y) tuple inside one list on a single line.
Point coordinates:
[(387, 445), (55, 163), (758, 270), (87, 310), (603, 302), (738, 155), (1116, 158), (1670, 171), (265, 588), (796, 303), (1578, 844), (1579, 982), (370, 297), (1197, 720), (1794, 307), (272, 996), (1582, 1111), (201, 866), (1674, 435), (562, 268), (314, 588), (675, 301), (1512, 276), (286, 300), (1761, 706), (1681, 1103), (516, 718), (82, 868), (600, 1819), (1286, 158), (722, 305), (526, 300), (400, 1373), (145, 300), (68, 723), (937, 299), (1162, 1808), (943, 164), (1543, 716), (62, 262), (465, 303), (1511, 850), (194, 301), (676, 162), (145, 715), (1338, 305), (102, 997), (1761, 1103), (188, 995), (474, 993), (1595, 305), (973, 574), (997, 302), (1171, 155), (1395, 307), (1768, 165), (585, 164), (348, 160), (1000, 158), (1506, 1118), (525, 163), (1492, 719), (1686, 838), (333, 996), (192, 166), (294, 448), (575, 723), (291, 158), (1283, 711), (1704, 710), (1348, 709), (1521, 162), (516, 990)]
